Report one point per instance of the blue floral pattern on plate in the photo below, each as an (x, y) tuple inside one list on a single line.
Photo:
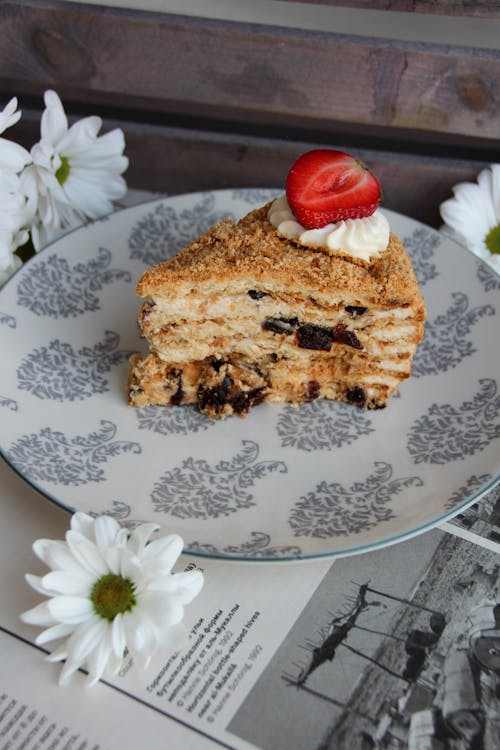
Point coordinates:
[(179, 421), (488, 278), (7, 320), (52, 456), (321, 479), (454, 433), (334, 510), (8, 403), (256, 196), (421, 245), (60, 373), (197, 489), (259, 546), (322, 426), (164, 231), (56, 289), (472, 485), (449, 337), (5, 401)]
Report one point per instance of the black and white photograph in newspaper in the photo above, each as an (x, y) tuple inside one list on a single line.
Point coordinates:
[(395, 648)]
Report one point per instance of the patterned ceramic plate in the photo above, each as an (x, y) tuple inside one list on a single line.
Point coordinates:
[(323, 479)]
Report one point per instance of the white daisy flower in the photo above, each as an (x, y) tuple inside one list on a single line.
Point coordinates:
[(111, 593), (472, 216), (77, 173), (16, 210)]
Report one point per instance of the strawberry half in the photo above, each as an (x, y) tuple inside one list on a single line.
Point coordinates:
[(325, 186)]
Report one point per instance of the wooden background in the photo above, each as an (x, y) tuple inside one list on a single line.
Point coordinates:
[(207, 104)]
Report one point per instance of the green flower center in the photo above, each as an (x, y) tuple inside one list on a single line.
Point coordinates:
[(62, 173), (492, 240), (112, 595)]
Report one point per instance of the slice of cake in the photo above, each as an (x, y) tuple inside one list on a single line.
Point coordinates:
[(276, 309)]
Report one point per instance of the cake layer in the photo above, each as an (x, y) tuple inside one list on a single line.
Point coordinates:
[(233, 302), (377, 333), (250, 255), (221, 387)]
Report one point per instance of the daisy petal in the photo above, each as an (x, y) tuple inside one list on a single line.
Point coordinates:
[(164, 551), (56, 555), (161, 609), (115, 663), (12, 156), (81, 135), (69, 668), (61, 630), (106, 531), (113, 559), (64, 582), (84, 524), (39, 615), (118, 641), (9, 116), (106, 151), (36, 582), (130, 567), (139, 632), (92, 202), (70, 609), (98, 662), (494, 186), (59, 654), (140, 537), (470, 213), (185, 586), (54, 123), (86, 638), (87, 553)]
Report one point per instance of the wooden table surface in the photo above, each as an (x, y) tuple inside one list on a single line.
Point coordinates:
[(208, 103)]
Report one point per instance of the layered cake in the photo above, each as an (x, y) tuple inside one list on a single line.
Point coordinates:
[(311, 296)]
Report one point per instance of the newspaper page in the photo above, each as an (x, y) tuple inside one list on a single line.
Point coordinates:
[(391, 649)]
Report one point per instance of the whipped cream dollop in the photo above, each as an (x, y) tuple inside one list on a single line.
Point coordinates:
[(364, 238)]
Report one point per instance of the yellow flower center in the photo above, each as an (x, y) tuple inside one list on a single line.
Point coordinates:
[(492, 240), (62, 173), (112, 595)]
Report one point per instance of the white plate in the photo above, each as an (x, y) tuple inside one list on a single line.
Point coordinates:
[(323, 479)]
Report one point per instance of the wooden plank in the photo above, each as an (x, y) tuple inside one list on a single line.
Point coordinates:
[(475, 8), (180, 160), (164, 64)]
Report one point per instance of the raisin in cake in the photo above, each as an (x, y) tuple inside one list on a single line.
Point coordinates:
[(245, 315)]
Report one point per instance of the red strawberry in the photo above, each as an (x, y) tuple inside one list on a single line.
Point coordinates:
[(325, 186)]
